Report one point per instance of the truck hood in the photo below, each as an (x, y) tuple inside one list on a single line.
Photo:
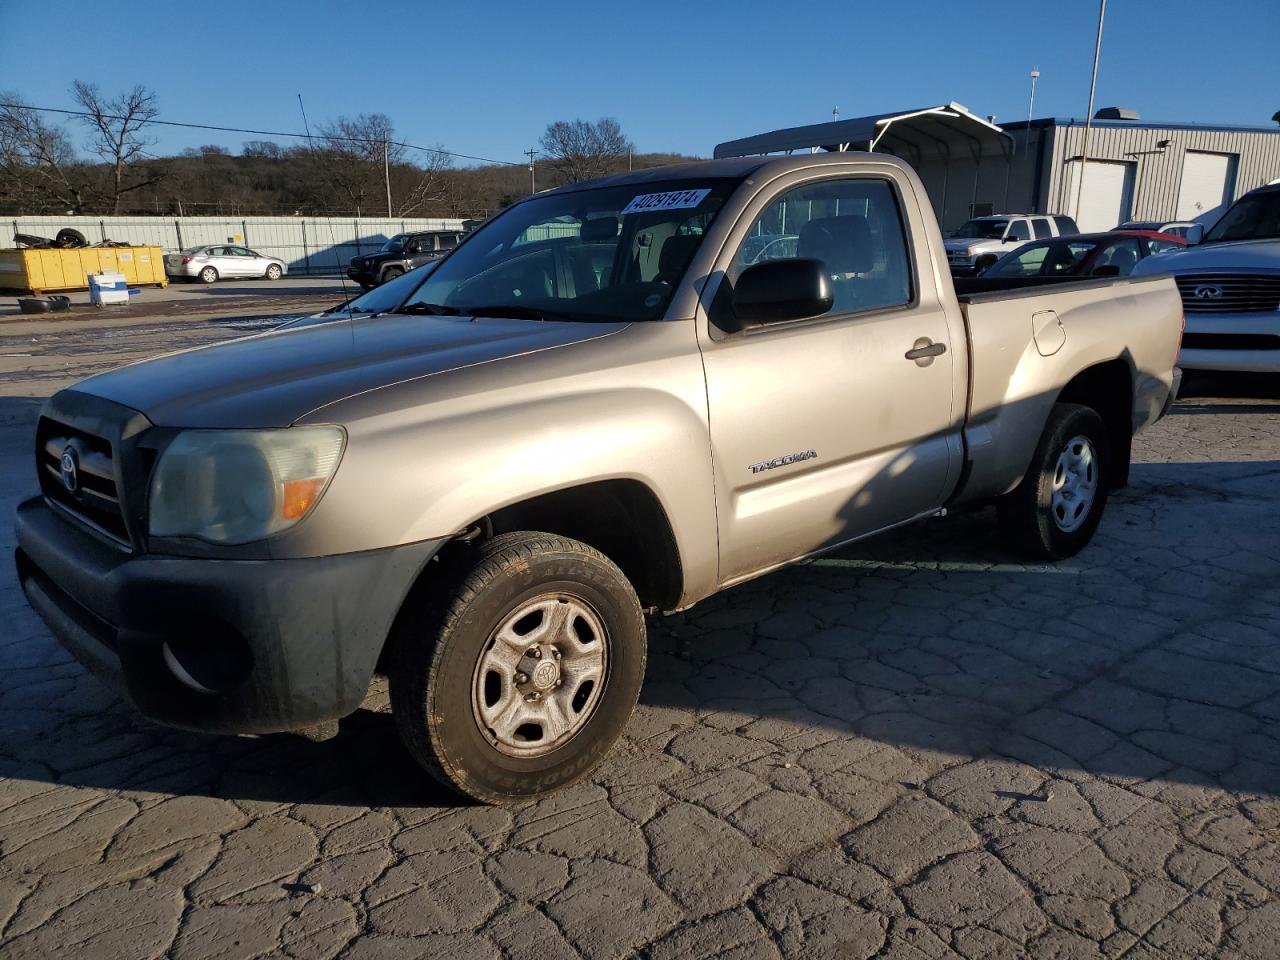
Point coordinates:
[(273, 379), (965, 246), (1233, 256)]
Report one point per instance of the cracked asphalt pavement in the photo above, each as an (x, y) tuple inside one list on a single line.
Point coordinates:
[(919, 747)]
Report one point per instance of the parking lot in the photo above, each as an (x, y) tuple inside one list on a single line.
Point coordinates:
[(918, 747)]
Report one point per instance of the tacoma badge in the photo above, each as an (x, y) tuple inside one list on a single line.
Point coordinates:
[(783, 461)]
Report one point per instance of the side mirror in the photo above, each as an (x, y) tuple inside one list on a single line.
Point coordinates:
[(779, 290), (1194, 234), (1106, 270)]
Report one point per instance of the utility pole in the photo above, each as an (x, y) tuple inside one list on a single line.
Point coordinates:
[(1088, 117), (1026, 141), (386, 170), (533, 184)]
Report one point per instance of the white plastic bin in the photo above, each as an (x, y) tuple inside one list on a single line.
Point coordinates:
[(108, 288)]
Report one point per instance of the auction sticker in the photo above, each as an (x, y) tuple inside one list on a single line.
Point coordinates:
[(671, 200)]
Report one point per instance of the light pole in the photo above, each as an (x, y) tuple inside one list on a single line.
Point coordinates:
[(1088, 117), (1026, 141), (533, 184)]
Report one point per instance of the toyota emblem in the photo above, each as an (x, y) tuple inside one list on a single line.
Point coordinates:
[(70, 469), (1208, 291)]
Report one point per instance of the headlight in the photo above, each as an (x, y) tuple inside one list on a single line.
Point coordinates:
[(236, 486)]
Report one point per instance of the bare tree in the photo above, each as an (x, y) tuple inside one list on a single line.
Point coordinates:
[(38, 164), (416, 186), (352, 157), (116, 136), (580, 150)]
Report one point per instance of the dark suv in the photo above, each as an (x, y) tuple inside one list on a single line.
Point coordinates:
[(401, 254)]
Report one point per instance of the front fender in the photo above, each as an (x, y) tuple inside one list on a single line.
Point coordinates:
[(427, 458)]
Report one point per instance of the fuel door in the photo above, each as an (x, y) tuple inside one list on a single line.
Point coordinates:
[(1048, 332)]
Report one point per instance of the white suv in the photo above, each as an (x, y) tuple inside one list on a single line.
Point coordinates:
[(984, 240)]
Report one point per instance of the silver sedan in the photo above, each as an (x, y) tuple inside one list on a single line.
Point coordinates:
[(217, 261)]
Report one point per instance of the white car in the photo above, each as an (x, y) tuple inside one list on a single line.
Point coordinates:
[(1230, 287), (219, 261), (984, 240)]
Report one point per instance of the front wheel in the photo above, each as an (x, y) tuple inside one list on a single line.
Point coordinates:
[(1053, 513), (274, 271), (391, 273), (517, 679)]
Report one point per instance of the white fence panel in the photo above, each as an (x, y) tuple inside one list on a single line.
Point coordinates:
[(309, 245)]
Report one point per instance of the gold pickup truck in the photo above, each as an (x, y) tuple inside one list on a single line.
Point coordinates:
[(613, 398)]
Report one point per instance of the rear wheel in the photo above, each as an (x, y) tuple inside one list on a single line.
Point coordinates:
[(274, 271), (208, 275), (391, 273), (517, 679), (1055, 510)]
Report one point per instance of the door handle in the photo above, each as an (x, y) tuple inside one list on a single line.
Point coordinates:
[(925, 350)]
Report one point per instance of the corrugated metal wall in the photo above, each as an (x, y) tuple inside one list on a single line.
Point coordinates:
[(1159, 173), (310, 245)]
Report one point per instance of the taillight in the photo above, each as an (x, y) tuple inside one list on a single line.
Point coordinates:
[(186, 259)]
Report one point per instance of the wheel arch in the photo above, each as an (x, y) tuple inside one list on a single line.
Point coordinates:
[(1107, 389)]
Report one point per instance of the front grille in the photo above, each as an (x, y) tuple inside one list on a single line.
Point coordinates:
[(96, 498), (1229, 292), (1230, 341)]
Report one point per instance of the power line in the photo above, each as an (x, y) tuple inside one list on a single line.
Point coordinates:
[(261, 133)]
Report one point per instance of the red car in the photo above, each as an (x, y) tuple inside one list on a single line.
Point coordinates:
[(1111, 254)]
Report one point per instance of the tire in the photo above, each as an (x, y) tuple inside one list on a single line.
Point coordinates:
[(1053, 513), (391, 273), (70, 237), (470, 706), (274, 272), (208, 275)]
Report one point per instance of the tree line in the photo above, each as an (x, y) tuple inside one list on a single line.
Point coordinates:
[(343, 170)]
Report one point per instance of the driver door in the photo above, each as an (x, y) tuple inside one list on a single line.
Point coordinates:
[(823, 430)]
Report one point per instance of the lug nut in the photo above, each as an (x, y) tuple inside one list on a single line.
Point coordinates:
[(531, 697), (522, 678), (534, 652), (555, 652)]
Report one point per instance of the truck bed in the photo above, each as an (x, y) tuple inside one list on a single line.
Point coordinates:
[(1016, 378)]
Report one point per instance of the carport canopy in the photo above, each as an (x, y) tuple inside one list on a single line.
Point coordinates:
[(942, 132)]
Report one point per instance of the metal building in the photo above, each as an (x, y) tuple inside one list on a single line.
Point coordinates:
[(971, 166), (1138, 170)]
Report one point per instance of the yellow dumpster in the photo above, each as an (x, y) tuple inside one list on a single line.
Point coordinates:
[(40, 271)]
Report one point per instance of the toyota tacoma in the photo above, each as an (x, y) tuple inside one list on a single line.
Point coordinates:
[(608, 401)]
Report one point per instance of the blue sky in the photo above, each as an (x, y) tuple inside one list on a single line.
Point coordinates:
[(486, 78)]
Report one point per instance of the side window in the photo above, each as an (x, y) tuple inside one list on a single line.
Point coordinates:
[(1042, 228), (1122, 254), (1162, 246), (447, 241), (1027, 263), (853, 226), (1066, 226), (1018, 231), (215, 252)]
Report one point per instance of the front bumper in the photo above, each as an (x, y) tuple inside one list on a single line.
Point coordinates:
[(1241, 342), (364, 274), (277, 644)]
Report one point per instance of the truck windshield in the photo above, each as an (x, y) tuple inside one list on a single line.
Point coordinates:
[(598, 254), (395, 244), (981, 230), (1252, 217)]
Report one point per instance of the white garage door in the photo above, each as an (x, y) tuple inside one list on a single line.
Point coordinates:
[(1208, 182), (1107, 198)]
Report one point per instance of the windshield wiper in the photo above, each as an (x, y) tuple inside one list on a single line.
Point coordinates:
[(516, 311), (435, 309)]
